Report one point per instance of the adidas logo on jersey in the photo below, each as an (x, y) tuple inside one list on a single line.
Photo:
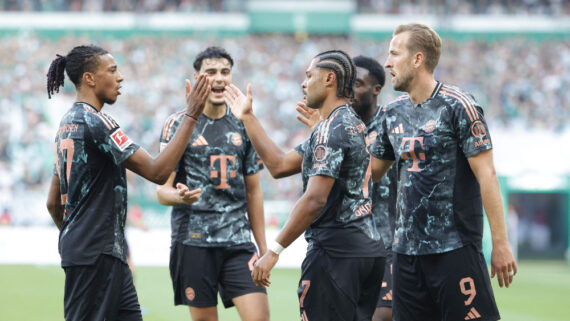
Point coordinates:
[(472, 314), (200, 141), (398, 130)]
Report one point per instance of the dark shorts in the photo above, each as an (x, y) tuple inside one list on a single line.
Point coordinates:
[(198, 273), (449, 286), (102, 291), (339, 288), (385, 299)]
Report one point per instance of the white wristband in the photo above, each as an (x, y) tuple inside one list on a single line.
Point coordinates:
[(276, 247)]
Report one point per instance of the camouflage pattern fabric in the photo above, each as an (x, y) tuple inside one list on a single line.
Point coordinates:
[(217, 158), (90, 147), (439, 206), (383, 191), (337, 148)]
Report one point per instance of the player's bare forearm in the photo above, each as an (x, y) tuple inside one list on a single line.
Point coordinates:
[(484, 171), (53, 204), (158, 169), (255, 212), (306, 209), (502, 260), (278, 163), (379, 167), (493, 204)]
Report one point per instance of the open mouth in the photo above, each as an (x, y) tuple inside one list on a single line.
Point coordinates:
[(218, 91)]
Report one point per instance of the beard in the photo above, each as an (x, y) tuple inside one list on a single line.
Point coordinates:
[(404, 83), (361, 107), (314, 103)]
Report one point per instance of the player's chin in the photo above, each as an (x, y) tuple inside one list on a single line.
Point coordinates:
[(217, 100), (110, 100)]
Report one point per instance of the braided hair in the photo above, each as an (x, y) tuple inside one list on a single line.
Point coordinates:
[(340, 63), (79, 60)]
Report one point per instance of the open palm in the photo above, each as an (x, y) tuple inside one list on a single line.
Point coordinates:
[(239, 103)]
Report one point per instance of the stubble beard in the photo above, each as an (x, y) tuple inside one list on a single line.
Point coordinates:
[(404, 83)]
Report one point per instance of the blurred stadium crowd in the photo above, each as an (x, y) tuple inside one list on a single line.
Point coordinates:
[(530, 91), (440, 7)]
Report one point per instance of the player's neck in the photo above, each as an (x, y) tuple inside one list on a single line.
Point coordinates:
[(214, 111), (422, 87), (90, 99), (330, 104)]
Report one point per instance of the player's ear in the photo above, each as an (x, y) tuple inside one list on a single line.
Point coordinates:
[(330, 79), (376, 90), (88, 79), (418, 59)]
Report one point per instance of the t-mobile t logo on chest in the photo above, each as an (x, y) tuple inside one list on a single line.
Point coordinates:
[(411, 152), (223, 166)]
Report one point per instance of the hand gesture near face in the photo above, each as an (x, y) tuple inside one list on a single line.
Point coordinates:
[(239, 103), (196, 96), (307, 115)]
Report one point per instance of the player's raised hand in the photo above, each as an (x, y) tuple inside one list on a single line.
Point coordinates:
[(239, 103), (307, 115), (196, 96), (262, 269), (186, 195), (503, 264)]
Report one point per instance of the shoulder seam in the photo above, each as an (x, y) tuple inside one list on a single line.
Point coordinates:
[(169, 123), (465, 101)]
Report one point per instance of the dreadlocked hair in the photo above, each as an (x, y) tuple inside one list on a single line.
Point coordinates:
[(79, 60), (340, 63)]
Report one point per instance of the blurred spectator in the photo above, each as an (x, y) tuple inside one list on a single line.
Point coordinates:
[(5, 217), (451, 7), (123, 5), (437, 7)]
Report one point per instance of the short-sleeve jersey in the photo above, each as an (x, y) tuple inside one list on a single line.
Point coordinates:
[(217, 159), (439, 205), (337, 149), (383, 191), (90, 147)]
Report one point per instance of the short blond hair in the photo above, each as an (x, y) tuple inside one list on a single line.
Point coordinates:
[(422, 39)]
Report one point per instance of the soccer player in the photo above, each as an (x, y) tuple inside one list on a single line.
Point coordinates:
[(341, 273), (211, 236), (438, 137), (370, 79), (88, 194)]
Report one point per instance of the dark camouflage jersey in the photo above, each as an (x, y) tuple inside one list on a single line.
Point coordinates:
[(337, 148), (217, 158), (439, 206), (383, 191), (90, 148)]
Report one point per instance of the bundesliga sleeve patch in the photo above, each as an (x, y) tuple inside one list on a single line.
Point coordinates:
[(121, 140), (320, 153)]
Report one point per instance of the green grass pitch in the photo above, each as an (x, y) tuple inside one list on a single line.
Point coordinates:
[(540, 293)]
